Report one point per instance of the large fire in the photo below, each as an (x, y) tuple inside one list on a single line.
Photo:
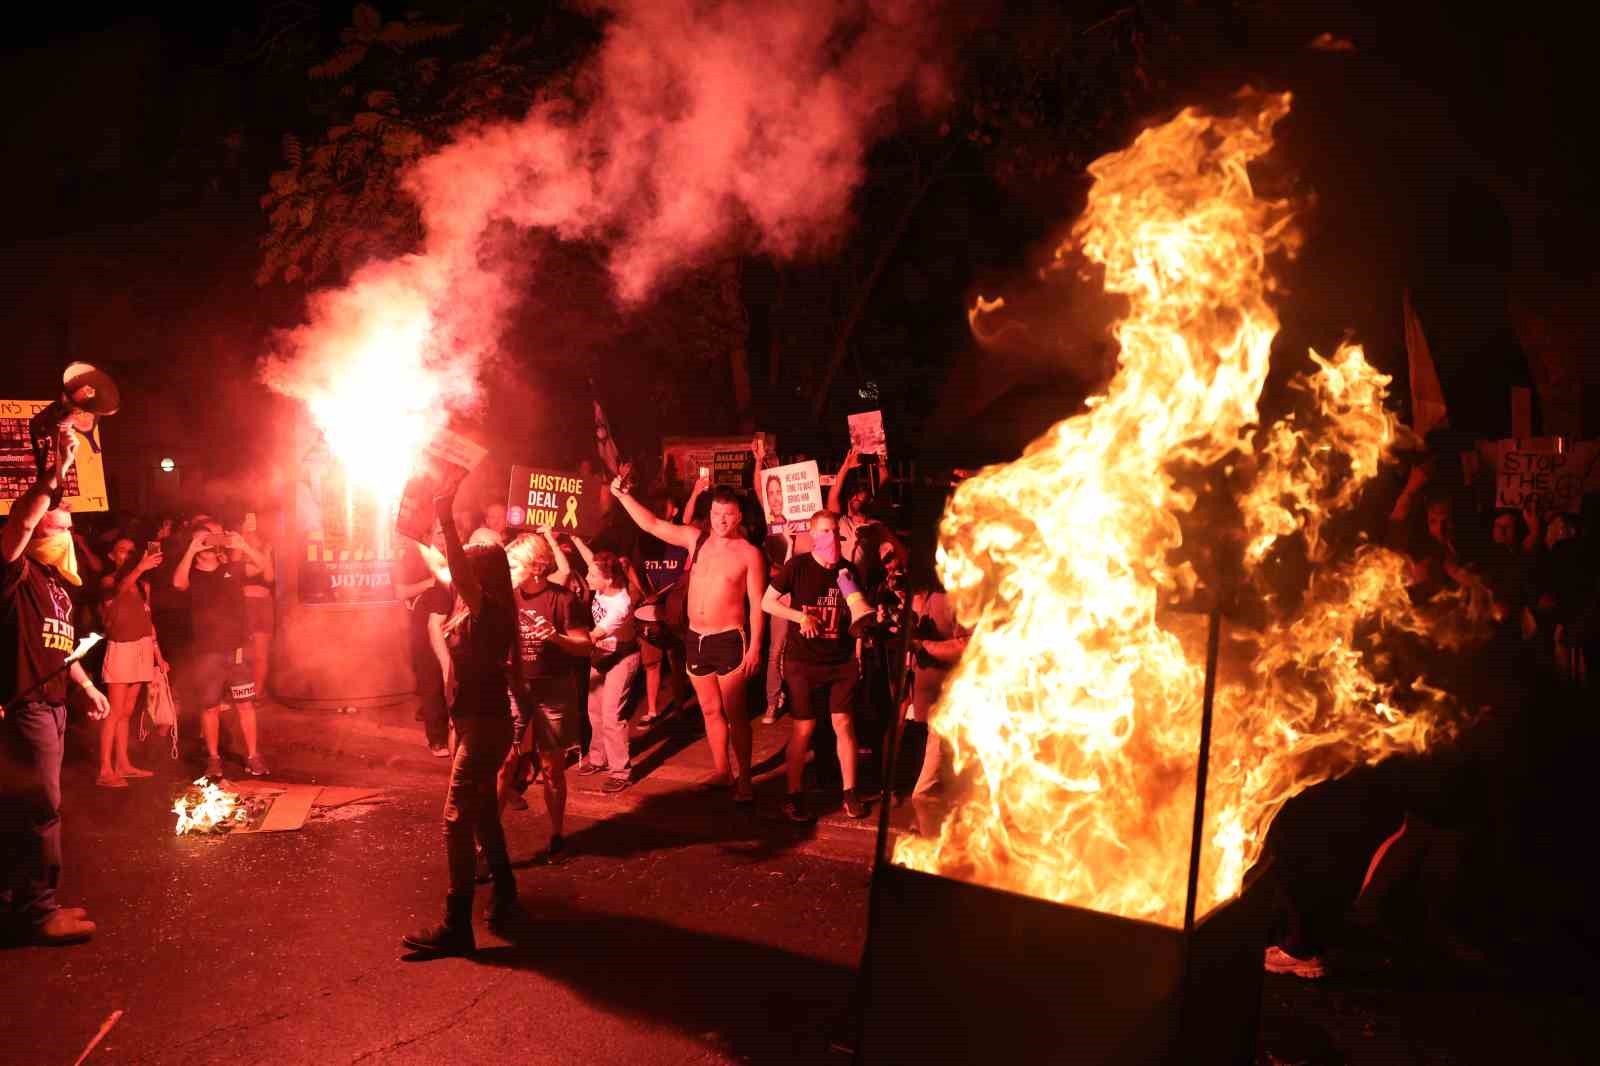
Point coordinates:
[(1078, 701)]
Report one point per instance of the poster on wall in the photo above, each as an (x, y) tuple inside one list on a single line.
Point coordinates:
[(86, 481), (564, 500), (790, 495)]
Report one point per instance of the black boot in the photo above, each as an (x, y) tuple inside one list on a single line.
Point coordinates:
[(503, 907), (452, 937)]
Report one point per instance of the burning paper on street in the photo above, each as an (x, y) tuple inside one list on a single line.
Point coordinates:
[(206, 806)]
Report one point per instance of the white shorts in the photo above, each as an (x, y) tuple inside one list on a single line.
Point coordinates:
[(129, 662)]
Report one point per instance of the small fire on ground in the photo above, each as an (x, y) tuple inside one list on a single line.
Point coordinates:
[(1076, 708), (206, 807)]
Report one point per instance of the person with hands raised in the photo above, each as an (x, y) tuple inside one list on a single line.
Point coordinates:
[(481, 632), (37, 566)]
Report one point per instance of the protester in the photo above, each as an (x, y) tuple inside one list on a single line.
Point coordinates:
[(212, 572), (820, 655), (614, 665), (551, 643), (481, 630), (663, 566), (132, 654), (493, 529), (779, 549), (429, 602), (727, 576), (36, 636), (259, 578), (937, 643)]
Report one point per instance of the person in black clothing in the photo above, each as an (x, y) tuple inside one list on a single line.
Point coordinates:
[(481, 633), (819, 658), (430, 602), (37, 566), (212, 572)]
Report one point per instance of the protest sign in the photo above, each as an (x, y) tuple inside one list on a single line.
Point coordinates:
[(446, 461), (790, 495), (682, 457), (86, 481), (564, 500), (866, 434), (1546, 470), (733, 468)]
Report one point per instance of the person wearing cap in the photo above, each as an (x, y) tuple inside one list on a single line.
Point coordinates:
[(37, 566)]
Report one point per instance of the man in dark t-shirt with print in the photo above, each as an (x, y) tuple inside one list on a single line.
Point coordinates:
[(430, 602), (552, 641), (212, 570), (820, 667), (37, 566)]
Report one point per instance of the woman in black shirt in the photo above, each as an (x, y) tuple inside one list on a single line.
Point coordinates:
[(480, 633)]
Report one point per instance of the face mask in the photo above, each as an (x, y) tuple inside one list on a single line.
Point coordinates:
[(825, 546), (56, 551)]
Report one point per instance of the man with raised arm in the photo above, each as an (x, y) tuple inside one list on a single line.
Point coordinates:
[(727, 577), (37, 563)]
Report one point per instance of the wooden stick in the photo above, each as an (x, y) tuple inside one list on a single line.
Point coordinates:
[(105, 1028)]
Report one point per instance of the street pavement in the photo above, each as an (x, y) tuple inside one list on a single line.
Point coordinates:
[(680, 930)]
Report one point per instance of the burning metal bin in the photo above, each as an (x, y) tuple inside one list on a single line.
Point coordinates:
[(955, 972)]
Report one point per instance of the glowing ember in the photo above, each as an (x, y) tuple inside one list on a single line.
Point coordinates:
[(207, 807), (1078, 699)]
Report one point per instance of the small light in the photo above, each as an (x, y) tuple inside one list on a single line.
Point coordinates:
[(168, 465)]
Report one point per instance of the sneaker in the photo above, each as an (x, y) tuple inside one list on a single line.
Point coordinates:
[(441, 940), (1280, 961), (438, 751), (588, 769), (852, 805), (615, 784), (771, 717), (214, 768), (795, 811), (257, 766), (63, 927)]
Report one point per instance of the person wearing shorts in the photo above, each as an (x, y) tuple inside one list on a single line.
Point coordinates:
[(820, 669), (221, 674), (551, 641), (715, 653)]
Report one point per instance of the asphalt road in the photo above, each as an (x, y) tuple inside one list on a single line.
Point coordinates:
[(721, 939)]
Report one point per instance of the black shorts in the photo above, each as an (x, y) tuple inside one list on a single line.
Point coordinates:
[(717, 653), (804, 679), (217, 677)]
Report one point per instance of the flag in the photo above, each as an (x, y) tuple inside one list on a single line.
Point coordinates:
[(1427, 395), (603, 441)]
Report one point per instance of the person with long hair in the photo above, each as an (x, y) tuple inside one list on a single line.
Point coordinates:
[(614, 663), (480, 632)]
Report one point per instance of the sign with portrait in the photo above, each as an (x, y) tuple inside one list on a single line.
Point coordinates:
[(790, 495)]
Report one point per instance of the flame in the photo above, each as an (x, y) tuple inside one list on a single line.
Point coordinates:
[(1078, 700), (207, 807)]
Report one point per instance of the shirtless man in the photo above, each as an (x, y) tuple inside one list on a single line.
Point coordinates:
[(727, 578)]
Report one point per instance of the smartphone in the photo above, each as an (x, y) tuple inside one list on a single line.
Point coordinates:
[(217, 540), (249, 524), (152, 547), (705, 471)]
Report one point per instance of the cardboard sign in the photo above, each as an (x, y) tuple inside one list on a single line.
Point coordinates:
[(564, 500), (733, 469), (86, 481), (866, 434), (1545, 471), (439, 470), (790, 495)]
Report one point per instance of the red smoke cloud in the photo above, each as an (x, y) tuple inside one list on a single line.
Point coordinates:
[(698, 126)]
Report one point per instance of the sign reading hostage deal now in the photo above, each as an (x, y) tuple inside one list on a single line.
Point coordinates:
[(564, 500)]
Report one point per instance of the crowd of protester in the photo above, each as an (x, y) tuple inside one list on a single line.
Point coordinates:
[(1455, 851)]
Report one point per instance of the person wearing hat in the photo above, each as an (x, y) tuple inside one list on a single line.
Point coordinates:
[(37, 564)]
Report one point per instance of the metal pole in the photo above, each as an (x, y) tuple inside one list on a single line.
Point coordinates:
[(1213, 639)]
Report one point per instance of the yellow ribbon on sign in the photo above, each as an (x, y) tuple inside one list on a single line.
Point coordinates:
[(571, 517)]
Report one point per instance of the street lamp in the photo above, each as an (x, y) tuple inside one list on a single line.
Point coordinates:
[(168, 465)]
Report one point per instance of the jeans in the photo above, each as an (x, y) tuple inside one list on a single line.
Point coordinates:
[(30, 809), (779, 630), (471, 808), (609, 690), (430, 694)]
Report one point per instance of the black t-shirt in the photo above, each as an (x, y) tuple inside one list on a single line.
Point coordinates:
[(36, 633), (814, 589), (480, 649), (536, 658), (435, 599), (216, 606)]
